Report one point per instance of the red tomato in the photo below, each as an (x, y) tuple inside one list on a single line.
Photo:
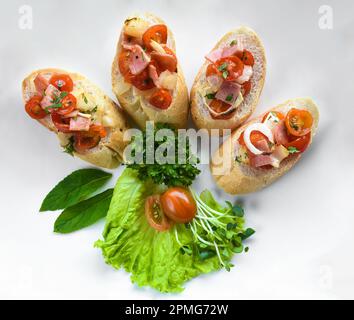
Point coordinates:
[(300, 143), (154, 214), (34, 109), (84, 141), (230, 67), (220, 106), (161, 99), (62, 81), (68, 105), (157, 33), (246, 57), (212, 70), (142, 81), (100, 130), (277, 113), (179, 205), (165, 62), (61, 123), (246, 88), (123, 62), (298, 122)]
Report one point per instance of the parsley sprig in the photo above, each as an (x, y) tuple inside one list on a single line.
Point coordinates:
[(56, 101), (171, 175)]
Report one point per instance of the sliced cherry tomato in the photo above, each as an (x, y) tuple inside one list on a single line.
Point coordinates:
[(230, 67), (179, 205), (154, 214), (62, 124), (69, 103), (246, 88), (161, 99), (84, 141), (63, 82), (212, 70), (34, 109), (278, 114), (157, 33), (165, 62), (220, 106), (123, 62), (300, 143), (100, 130), (143, 81), (298, 122), (246, 57)]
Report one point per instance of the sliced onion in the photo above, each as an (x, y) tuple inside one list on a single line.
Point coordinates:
[(157, 47), (260, 127)]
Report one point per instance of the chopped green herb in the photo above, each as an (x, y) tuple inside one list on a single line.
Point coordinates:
[(233, 43), (210, 96), (223, 67), (225, 74), (293, 150), (85, 99), (69, 148), (229, 97)]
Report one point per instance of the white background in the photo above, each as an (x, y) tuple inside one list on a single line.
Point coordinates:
[(303, 247)]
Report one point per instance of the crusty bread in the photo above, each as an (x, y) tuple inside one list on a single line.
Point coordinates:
[(200, 113), (138, 108), (109, 152), (236, 178)]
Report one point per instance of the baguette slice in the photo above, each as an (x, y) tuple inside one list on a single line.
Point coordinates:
[(200, 113), (236, 178), (133, 101), (109, 152)]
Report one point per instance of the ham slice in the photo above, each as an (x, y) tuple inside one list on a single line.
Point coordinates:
[(214, 55), (41, 82), (154, 75), (139, 60), (263, 145), (50, 92), (215, 82), (246, 75), (228, 92), (80, 124), (261, 160), (280, 134)]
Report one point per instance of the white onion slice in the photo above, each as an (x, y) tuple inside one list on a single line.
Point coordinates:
[(262, 128)]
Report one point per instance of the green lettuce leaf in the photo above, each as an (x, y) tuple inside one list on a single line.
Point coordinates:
[(153, 258)]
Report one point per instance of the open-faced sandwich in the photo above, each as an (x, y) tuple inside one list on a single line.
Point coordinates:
[(88, 124), (228, 85), (265, 148), (146, 76)]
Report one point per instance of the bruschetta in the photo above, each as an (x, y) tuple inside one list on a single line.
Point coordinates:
[(265, 148), (147, 78), (87, 122), (227, 88)]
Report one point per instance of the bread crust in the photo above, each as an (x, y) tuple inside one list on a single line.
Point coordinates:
[(237, 178), (109, 153), (200, 114), (139, 109)]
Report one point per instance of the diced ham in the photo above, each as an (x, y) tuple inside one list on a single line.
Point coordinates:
[(139, 60), (280, 134), (230, 51), (246, 75), (261, 160), (214, 55), (50, 92), (41, 83), (154, 75), (80, 124), (228, 92)]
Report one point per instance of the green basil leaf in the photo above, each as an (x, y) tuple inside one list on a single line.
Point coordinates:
[(74, 188), (84, 214)]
